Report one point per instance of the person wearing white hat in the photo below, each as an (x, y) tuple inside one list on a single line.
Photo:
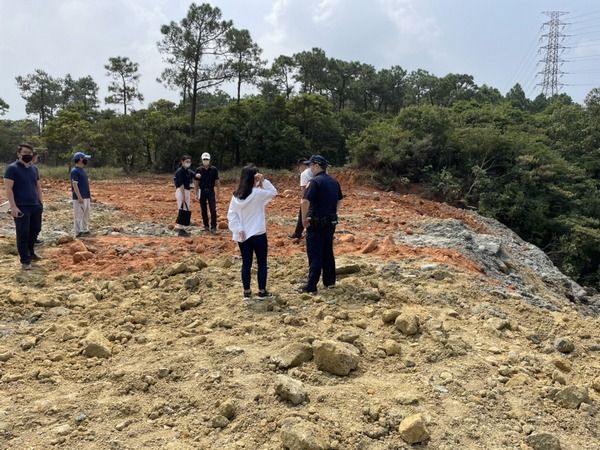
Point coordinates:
[(82, 197), (205, 181)]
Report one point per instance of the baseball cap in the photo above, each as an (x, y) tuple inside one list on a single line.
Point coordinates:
[(317, 159), (205, 155), (80, 155), (302, 161)]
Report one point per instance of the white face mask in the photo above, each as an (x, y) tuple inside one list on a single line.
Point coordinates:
[(186, 165)]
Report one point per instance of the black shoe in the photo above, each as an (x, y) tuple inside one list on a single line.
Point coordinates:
[(35, 257), (26, 266), (293, 237), (38, 242), (183, 233), (213, 231), (305, 290), (247, 295), (264, 294)]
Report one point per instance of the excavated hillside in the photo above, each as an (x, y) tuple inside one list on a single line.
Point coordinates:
[(445, 331)]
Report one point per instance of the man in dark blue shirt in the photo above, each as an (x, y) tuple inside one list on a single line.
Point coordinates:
[(320, 204), (206, 179), (24, 193), (82, 198)]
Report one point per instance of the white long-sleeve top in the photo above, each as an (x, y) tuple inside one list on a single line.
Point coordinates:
[(248, 215)]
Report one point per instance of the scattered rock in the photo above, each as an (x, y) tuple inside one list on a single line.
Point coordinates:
[(77, 246), (191, 302), (293, 355), (122, 425), (595, 383), (47, 301), (82, 256), (228, 410), (191, 283), (337, 358), (176, 269), (348, 337), (564, 345), (222, 225), (163, 372), (348, 238), (299, 434), (413, 429), (5, 356), (390, 315), (64, 239), (219, 422), (28, 343), (572, 396), (562, 364), (96, 345), (543, 441), (82, 300), (408, 324), (290, 390), (347, 269), (371, 246), (391, 347)]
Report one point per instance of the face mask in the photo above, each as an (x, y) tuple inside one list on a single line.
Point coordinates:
[(26, 158), (186, 165), (85, 161)]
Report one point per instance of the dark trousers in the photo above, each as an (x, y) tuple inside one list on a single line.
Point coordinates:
[(28, 227), (208, 201), (319, 247), (299, 226), (255, 245)]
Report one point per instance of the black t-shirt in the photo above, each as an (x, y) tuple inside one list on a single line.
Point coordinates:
[(208, 177), (323, 192), (183, 177)]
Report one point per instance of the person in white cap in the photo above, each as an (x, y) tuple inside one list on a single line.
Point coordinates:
[(205, 181), (82, 198)]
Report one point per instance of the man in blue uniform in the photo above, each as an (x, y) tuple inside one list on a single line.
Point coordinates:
[(24, 193), (320, 204)]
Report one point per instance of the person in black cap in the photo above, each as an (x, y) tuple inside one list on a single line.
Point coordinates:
[(305, 177), (320, 204), (24, 194), (82, 197)]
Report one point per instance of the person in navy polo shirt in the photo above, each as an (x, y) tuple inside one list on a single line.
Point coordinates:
[(322, 198), (82, 198), (24, 194)]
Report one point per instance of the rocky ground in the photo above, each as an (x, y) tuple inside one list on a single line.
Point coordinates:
[(445, 331)]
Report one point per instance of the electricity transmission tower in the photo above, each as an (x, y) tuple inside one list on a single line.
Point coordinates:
[(552, 61)]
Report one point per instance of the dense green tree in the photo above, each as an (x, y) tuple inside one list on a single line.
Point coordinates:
[(124, 87), (42, 94), (3, 107), (193, 48)]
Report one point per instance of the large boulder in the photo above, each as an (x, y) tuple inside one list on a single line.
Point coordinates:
[(96, 345), (290, 390), (292, 355), (413, 429)]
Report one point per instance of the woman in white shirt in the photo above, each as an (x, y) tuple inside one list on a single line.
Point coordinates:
[(248, 223)]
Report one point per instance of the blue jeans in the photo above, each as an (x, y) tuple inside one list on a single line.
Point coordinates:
[(254, 245), (28, 227), (319, 247)]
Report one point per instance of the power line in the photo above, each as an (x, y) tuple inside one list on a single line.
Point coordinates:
[(552, 61)]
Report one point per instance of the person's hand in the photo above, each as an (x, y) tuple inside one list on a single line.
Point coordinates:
[(16, 212), (306, 222), (242, 236), (80, 201), (258, 179)]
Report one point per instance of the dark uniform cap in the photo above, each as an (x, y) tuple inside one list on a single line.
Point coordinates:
[(317, 159)]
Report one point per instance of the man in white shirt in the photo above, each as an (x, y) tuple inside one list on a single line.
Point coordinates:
[(305, 177)]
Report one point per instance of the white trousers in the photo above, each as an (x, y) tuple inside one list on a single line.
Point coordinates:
[(81, 213), (183, 202)]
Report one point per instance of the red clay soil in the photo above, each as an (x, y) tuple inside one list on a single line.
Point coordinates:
[(369, 220)]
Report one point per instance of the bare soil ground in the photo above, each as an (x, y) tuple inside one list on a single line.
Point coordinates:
[(148, 344)]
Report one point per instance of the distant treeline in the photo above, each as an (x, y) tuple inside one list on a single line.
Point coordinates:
[(533, 164)]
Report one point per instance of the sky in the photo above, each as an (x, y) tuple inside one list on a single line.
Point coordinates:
[(494, 40)]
